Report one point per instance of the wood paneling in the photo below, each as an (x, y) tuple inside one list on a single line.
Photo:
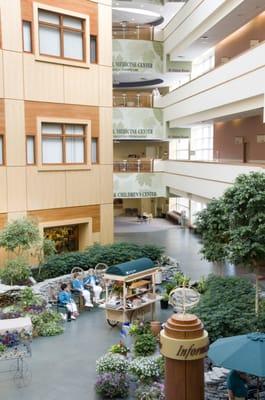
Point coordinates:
[(81, 6), (3, 220), (56, 214), (54, 110), (2, 116)]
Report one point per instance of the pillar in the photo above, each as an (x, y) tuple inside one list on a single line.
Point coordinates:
[(184, 343)]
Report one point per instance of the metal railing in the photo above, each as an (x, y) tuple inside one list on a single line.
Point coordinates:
[(133, 32), (138, 100), (133, 166)]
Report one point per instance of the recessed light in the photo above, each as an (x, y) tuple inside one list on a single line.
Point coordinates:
[(204, 37)]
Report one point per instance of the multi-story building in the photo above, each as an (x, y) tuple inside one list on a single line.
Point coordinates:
[(55, 118), (210, 108)]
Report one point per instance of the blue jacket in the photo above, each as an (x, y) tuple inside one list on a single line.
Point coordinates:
[(77, 284), (90, 280), (65, 297)]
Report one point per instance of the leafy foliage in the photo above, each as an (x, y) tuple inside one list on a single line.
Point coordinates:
[(145, 345), (119, 348), (48, 323), (116, 253), (150, 392), (28, 298), (147, 369), (112, 363), (15, 272), (19, 235), (110, 385), (233, 227), (227, 307)]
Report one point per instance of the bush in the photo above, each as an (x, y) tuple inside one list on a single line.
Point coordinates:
[(15, 272), (150, 392), (48, 323), (119, 348), (147, 369), (227, 307), (145, 345), (110, 385), (114, 363), (139, 328), (116, 253)]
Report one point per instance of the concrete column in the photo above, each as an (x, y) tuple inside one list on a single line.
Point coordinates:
[(184, 343)]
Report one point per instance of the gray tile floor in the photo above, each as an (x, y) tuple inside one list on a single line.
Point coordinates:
[(63, 367)]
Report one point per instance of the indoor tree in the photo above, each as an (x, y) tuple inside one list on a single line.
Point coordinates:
[(233, 227)]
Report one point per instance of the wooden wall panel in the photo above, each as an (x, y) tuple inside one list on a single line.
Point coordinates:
[(3, 220), (56, 214), (54, 110), (2, 116), (81, 6)]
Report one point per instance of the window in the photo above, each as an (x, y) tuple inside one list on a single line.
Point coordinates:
[(94, 151), (30, 150), (61, 36), (1, 150), (179, 149), (27, 37), (93, 49), (203, 64), (63, 143), (201, 143)]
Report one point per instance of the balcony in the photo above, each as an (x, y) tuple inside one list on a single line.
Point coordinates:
[(132, 31), (144, 100), (133, 166)]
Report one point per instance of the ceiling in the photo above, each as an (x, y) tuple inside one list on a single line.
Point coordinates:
[(236, 19), (144, 12)]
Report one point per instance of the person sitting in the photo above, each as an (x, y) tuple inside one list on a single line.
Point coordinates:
[(237, 385), (77, 285), (91, 281), (66, 299)]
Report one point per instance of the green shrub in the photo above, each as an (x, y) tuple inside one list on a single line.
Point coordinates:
[(145, 345), (119, 348), (140, 328), (116, 253), (48, 323), (112, 385), (147, 369), (15, 272), (227, 307), (114, 363)]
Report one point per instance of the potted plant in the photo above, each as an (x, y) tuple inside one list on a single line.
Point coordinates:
[(164, 301)]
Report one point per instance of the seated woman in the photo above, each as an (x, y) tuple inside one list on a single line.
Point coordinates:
[(91, 281), (65, 299), (77, 284)]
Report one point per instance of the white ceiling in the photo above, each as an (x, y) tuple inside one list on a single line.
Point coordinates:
[(138, 11), (236, 19)]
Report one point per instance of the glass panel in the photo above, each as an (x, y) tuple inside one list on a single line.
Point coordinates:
[(93, 49), (49, 41), (74, 129), (55, 129), (74, 150), (51, 18), (73, 45), (1, 151), (94, 151), (30, 150), (72, 22), (52, 151), (27, 46)]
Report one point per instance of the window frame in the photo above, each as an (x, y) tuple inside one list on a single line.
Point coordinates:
[(85, 20), (64, 166), (31, 37), (2, 135), (34, 150)]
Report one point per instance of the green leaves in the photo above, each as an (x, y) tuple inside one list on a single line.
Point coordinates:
[(233, 226)]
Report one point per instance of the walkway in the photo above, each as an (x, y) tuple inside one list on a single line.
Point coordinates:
[(178, 242)]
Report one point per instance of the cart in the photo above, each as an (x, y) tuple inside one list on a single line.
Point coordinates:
[(16, 336), (130, 291)]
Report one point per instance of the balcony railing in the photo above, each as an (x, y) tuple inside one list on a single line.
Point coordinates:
[(133, 32), (138, 100), (133, 166)]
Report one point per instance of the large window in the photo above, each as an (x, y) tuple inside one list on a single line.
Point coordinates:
[(61, 36), (179, 149), (63, 143), (201, 143)]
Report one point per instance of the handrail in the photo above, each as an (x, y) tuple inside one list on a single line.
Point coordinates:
[(133, 165), (138, 100)]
